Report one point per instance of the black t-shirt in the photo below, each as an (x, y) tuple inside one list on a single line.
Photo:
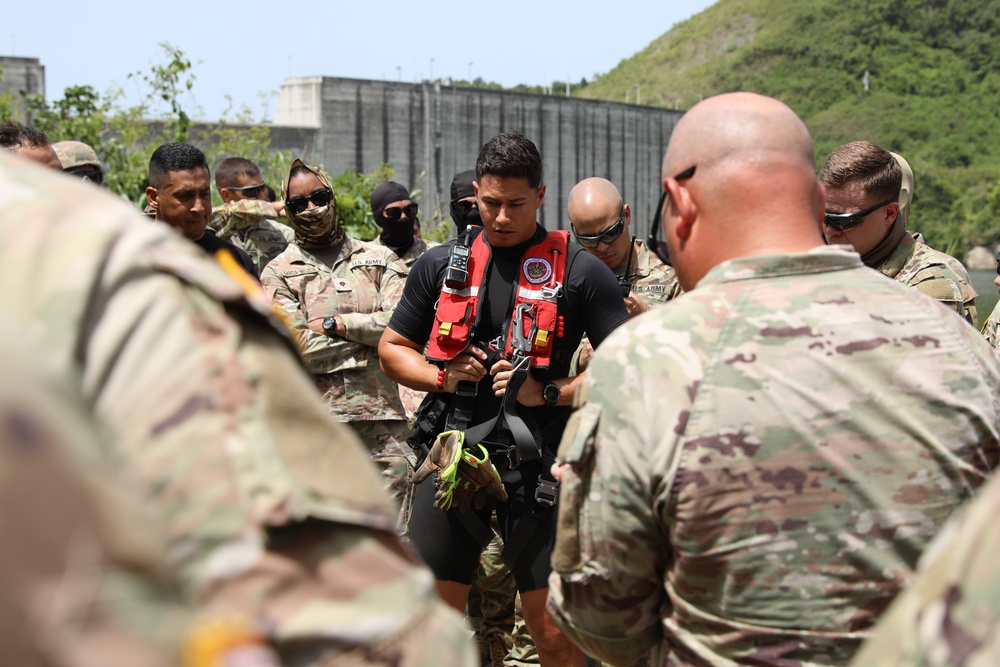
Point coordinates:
[(211, 243), (592, 304)]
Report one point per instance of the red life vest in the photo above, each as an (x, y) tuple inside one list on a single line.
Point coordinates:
[(539, 286)]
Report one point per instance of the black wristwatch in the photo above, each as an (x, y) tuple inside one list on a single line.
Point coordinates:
[(551, 394), (330, 326)]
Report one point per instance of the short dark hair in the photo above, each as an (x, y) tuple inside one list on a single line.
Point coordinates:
[(176, 156), (863, 162), (232, 168), (511, 155), (13, 135)]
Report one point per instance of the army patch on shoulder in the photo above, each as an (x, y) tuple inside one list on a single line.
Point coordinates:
[(537, 270), (372, 261)]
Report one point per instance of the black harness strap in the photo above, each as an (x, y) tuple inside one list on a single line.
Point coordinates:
[(480, 530), (527, 447)]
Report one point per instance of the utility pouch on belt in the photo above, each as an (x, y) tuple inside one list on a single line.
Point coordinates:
[(430, 420)]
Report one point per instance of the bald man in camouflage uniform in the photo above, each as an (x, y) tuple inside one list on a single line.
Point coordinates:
[(245, 218), (755, 469), (862, 178), (597, 213), (272, 509)]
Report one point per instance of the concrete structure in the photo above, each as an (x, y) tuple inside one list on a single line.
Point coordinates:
[(19, 75), (428, 132)]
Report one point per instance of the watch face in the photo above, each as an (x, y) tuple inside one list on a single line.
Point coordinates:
[(551, 394), (329, 324)]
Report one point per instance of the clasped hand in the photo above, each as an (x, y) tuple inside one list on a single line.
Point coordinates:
[(470, 366)]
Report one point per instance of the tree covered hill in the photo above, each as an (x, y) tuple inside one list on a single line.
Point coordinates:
[(934, 88)]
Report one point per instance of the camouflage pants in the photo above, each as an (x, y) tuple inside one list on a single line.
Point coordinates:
[(386, 440), (491, 603), (524, 653), (410, 398)]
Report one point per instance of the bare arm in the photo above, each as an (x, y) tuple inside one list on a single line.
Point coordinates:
[(402, 360), (530, 393)]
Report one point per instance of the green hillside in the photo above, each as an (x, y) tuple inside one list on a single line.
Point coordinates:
[(934, 96)]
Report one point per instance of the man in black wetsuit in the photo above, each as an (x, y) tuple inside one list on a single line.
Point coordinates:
[(180, 194), (524, 284)]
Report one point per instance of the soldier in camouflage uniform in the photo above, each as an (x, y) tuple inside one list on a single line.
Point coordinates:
[(245, 218), (29, 143), (991, 328), (965, 283), (865, 195), (180, 194), (601, 222), (82, 581), (272, 509), (755, 469), (950, 615), (338, 294), (79, 159), (396, 214)]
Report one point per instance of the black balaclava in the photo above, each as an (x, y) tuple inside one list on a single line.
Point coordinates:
[(461, 187), (398, 235)]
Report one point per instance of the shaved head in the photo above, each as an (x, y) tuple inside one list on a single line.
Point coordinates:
[(590, 196), (754, 190), (594, 207), (739, 130)]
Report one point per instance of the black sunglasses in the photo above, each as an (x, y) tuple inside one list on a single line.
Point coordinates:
[(843, 221), (653, 240), (251, 191), (607, 236), (464, 207), (396, 212), (92, 175), (998, 263), (320, 197)]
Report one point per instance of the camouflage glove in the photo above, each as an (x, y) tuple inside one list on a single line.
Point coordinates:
[(463, 479), (237, 215)]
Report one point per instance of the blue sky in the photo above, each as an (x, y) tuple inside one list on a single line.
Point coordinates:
[(246, 49)]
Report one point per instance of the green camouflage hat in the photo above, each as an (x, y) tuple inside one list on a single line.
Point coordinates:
[(75, 154)]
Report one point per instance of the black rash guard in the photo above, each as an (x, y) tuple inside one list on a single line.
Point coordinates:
[(592, 304), (211, 244)]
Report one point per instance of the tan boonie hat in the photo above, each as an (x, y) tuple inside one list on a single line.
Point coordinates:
[(74, 154)]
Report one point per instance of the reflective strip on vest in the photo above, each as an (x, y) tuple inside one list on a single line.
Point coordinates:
[(529, 294), (471, 290)]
